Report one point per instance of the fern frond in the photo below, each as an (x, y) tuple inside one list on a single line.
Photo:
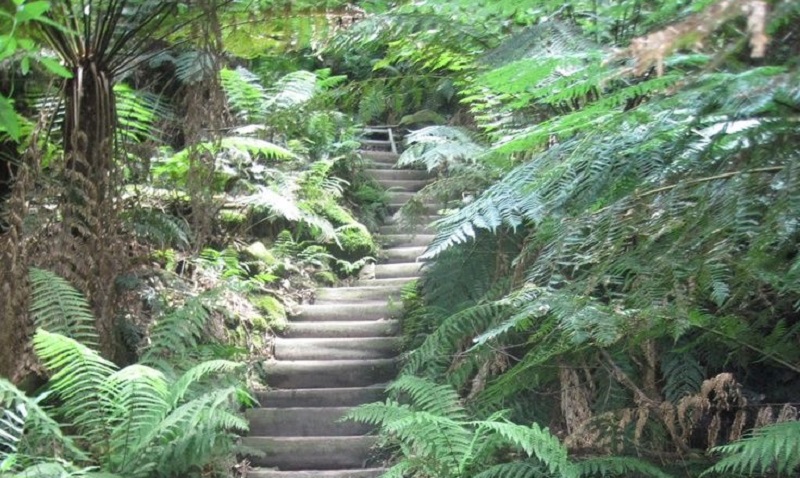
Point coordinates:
[(292, 90), (618, 466), (518, 469), (536, 441), (25, 427), (427, 396), (771, 449), (60, 308), (180, 388), (176, 333), (81, 381), (440, 147), (436, 353)]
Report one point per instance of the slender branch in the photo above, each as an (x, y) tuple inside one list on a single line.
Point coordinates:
[(771, 169)]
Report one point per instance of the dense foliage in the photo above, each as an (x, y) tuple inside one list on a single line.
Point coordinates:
[(629, 276), (614, 289)]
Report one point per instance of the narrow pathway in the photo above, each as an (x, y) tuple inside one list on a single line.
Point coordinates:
[(339, 352)]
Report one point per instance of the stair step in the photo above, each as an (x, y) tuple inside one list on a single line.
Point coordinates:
[(396, 271), (311, 453), (357, 348), (350, 294), (397, 174), (321, 397), (407, 240), (401, 281), (364, 310), (400, 197), (424, 208), (397, 255), (402, 229), (335, 329), (303, 422), (381, 166), (411, 185), (329, 373), (397, 219), (375, 143), (362, 473)]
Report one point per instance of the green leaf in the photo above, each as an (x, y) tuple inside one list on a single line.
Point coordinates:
[(55, 67), (25, 65), (8, 45), (8, 119), (32, 11)]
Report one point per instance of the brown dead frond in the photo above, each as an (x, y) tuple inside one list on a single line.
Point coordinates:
[(651, 50)]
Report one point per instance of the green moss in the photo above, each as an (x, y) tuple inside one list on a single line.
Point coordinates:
[(356, 242), (259, 252), (325, 277), (274, 313), (232, 218)]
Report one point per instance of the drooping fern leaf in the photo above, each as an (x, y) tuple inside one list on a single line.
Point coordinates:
[(80, 379), (772, 449)]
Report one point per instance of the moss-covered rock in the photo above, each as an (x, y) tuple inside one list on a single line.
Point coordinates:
[(259, 252), (326, 278), (273, 313), (355, 242)]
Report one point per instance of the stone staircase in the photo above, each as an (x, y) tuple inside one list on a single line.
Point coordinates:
[(339, 352)]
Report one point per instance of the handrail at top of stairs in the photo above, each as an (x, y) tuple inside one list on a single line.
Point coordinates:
[(384, 129)]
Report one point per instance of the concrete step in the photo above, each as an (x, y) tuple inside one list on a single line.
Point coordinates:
[(321, 397), (399, 197), (396, 271), (376, 145), (406, 240), (303, 422), (398, 174), (311, 453), (397, 219), (401, 229), (364, 310), (430, 208), (381, 166), (398, 255), (357, 348), (329, 373), (336, 329), (399, 281), (363, 473), (403, 184), (351, 294)]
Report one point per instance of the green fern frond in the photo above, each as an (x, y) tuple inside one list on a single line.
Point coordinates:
[(26, 427), (436, 353), (618, 466), (430, 397), (59, 308), (162, 229), (440, 147), (772, 449), (176, 333), (292, 91), (518, 469), (245, 94), (138, 113), (81, 381), (180, 388)]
